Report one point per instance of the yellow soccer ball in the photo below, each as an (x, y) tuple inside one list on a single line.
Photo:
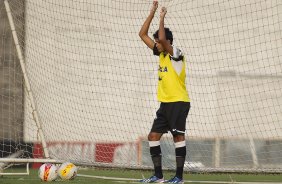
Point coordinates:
[(67, 171)]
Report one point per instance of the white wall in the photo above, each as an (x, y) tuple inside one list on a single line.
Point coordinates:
[(92, 77)]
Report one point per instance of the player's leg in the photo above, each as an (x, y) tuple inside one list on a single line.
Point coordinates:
[(159, 127), (156, 153), (180, 154), (177, 121)]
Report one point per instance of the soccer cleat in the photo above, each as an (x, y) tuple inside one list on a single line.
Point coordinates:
[(175, 179), (152, 179)]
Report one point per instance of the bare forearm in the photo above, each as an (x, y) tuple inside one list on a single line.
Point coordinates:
[(145, 27), (143, 33), (162, 33), (162, 36)]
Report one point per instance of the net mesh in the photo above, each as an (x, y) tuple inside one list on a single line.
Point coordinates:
[(94, 82)]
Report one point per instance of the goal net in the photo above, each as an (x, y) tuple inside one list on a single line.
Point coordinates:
[(93, 83)]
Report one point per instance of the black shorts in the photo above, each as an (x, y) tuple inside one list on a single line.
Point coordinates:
[(171, 117)]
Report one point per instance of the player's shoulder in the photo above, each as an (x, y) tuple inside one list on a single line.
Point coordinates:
[(177, 54)]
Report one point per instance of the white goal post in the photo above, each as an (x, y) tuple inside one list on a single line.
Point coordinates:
[(89, 93), (14, 157), (26, 80)]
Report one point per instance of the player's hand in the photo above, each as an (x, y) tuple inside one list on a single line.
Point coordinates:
[(163, 12), (154, 6)]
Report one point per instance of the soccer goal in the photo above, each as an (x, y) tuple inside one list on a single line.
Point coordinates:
[(77, 83)]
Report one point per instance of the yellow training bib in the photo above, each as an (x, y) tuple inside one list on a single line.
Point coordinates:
[(171, 86)]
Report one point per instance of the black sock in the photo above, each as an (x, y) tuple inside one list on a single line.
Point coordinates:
[(180, 153), (157, 160)]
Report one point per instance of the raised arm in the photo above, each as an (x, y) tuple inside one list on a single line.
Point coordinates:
[(162, 38), (143, 33)]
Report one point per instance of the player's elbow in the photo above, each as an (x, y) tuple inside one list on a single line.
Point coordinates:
[(143, 37), (142, 34)]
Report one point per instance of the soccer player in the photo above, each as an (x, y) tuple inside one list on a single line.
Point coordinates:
[(172, 94)]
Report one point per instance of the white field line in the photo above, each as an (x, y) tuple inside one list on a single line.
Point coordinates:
[(134, 180), (108, 178)]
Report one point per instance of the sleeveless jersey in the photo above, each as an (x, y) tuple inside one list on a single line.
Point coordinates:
[(171, 86)]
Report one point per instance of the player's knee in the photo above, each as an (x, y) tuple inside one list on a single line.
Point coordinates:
[(178, 138), (154, 136), (151, 137)]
